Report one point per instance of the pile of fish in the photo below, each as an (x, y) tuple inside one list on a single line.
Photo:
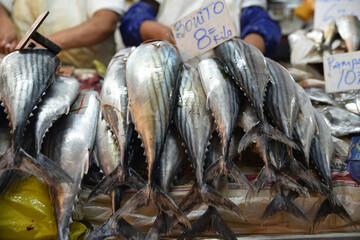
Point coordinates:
[(335, 36), (178, 112)]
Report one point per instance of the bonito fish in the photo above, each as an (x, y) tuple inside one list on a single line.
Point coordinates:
[(108, 154), (194, 122), (247, 65), (24, 77), (152, 78), (114, 105), (223, 98), (57, 101), (70, 144)]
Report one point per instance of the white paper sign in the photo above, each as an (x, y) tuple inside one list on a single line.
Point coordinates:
[(203, 29), (327, 10), (342, 72)]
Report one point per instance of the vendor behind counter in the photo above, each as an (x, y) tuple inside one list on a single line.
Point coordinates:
[(84, 29)]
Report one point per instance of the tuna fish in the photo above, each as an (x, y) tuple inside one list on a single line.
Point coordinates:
[(305, 124), (322, 149), (56, 102), (152, 78), (114, 104), (247, 65), (69, 144), (223, 98), (194, 122), (24, 77), (171, 160), (108, 154), (211, 219)]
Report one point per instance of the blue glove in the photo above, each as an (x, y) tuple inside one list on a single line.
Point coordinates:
[(257, 20), (132, 20)]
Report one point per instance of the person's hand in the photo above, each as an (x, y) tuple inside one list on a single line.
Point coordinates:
[(152, 30), (8, 38), (257, 40)]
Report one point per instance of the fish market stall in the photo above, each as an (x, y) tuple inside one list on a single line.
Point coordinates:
[(236, 146)]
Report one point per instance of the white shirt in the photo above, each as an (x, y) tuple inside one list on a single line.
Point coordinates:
[(170, 11), (65, 14)]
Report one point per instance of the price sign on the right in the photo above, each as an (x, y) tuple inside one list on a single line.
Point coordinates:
[(342, 72)]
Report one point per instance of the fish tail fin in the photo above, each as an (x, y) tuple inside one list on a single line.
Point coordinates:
[(265, 129), (281, 202), (167, 205), (118, 177), (159, 227), (43, 167), (293, 167), (270, 174), (119, 228), (209, 221), (7, 160), (230, 169), (208, 195), (331, 205), (116, 196)]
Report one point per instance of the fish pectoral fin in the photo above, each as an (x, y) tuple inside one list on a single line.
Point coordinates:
[(167, 205), (331, 205), (281, 202), (213, 198), (119, 228), (43, 167), (209, 221)]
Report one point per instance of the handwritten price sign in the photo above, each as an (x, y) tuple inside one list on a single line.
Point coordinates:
[(328, 10), (203, 29), (342, 72)]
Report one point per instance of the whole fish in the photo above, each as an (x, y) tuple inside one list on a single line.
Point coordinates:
[(322, 149), (340, 121), (69, 144), (265, 148), (194, 121), (223, 98), (24, 77), (211, 220), (108, 155), (171, 159), (305, 124), (283, 105), (247, 65), (114, 105), (56, 102), (349, 30), (152, 78)]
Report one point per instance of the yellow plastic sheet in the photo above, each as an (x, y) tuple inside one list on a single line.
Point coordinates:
[(27, 212)]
